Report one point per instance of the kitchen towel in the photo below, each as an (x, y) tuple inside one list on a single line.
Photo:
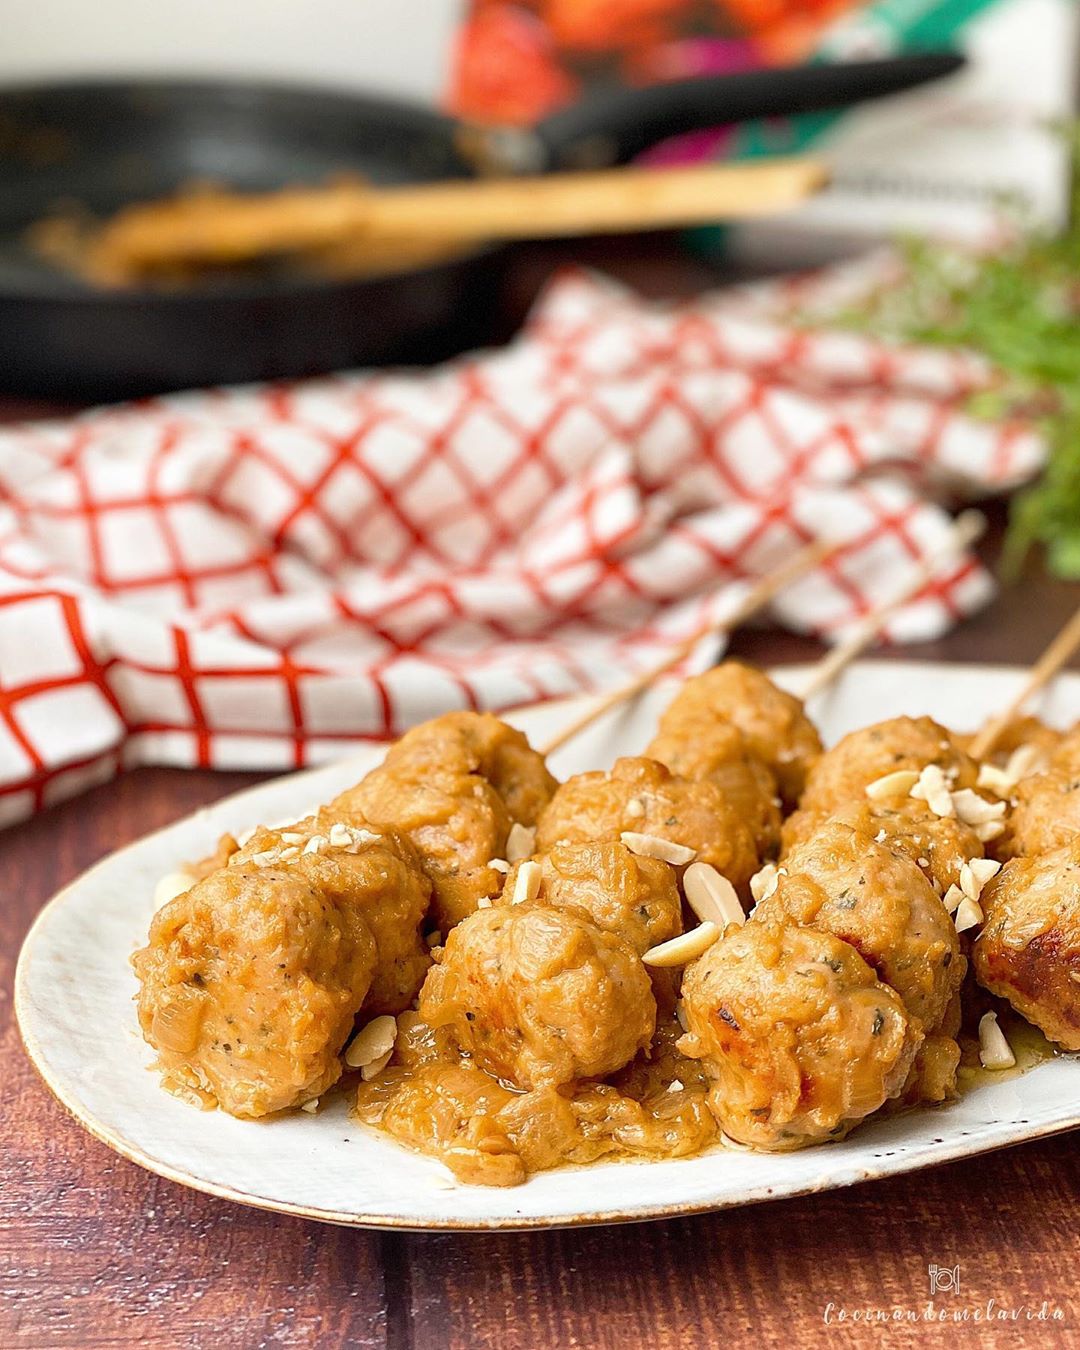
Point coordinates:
[(262, 577)]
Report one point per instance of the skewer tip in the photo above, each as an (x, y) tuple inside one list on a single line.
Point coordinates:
[(968, 527)]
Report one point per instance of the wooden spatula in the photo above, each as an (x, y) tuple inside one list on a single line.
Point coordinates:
[(220, 228)]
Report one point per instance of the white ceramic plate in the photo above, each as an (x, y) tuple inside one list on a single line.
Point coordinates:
[(74, 992)]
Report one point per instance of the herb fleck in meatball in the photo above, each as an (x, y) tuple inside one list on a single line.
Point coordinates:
[(249, 986), (799, 1037), (1029, 948), (540, 996), (642, 796)]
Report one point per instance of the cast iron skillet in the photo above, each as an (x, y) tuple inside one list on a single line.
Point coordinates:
[(106, 144)]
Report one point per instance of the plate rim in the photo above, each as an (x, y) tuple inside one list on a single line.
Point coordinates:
[(961, 1149)]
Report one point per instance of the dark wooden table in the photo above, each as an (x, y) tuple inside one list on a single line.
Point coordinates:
[(96, 1252)]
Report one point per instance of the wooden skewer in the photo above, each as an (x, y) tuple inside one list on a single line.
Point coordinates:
[(965, 531), (755, 599), (1042, 672), (221, 227)]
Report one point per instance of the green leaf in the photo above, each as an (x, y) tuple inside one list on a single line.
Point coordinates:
[(1021, 309)]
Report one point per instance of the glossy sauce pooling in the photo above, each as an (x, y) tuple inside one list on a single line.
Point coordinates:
[(435, 1099)]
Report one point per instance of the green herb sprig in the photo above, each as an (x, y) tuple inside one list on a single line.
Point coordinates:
[(1020, 308)]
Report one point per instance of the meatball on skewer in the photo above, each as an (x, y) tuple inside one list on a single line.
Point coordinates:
[(872, 894), (904, 783), (252, 977), (773, 727), (799, 1037), (842, 881), (1044, 809), (863, 757), (621, 892), (718, 754), (350, 862), (540, 996), (249, 986), (439, 1094), (640, 796), (938, 845), (479, 743), (456, 786), (1028, 950)]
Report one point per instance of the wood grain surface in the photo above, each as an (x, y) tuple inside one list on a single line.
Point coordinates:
[(95, 1252)]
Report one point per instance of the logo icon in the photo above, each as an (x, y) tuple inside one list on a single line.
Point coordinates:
[(944, 1279)]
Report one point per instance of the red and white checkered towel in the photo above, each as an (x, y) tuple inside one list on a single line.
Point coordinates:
[(261, 577)]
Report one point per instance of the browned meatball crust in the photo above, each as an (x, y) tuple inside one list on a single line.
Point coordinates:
[(540, 996), (799, 1037), (1029, 948), (843, 773), (772, 722), (249, 986), (643, 797)]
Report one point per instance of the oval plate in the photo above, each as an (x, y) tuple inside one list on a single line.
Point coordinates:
[(74, 991)]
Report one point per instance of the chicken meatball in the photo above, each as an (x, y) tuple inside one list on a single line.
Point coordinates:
[(717, 751), (643, 797), (938, 845), (1020, 732), (478, 743), (347, 861), (1029, 948), (635, 897), (843, 882), (843, 773), (933, 1077), (773, 724), (249, 986), (799, 1037), (1044, 809), (457, 822), (540, 996), (226, 847), (434, 787)]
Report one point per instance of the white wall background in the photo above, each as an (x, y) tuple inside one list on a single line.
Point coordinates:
[(394, 46)]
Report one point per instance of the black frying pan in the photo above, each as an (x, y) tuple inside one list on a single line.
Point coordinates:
[(106, 144)]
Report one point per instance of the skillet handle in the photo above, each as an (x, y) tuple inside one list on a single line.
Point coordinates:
[(613, 125)]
